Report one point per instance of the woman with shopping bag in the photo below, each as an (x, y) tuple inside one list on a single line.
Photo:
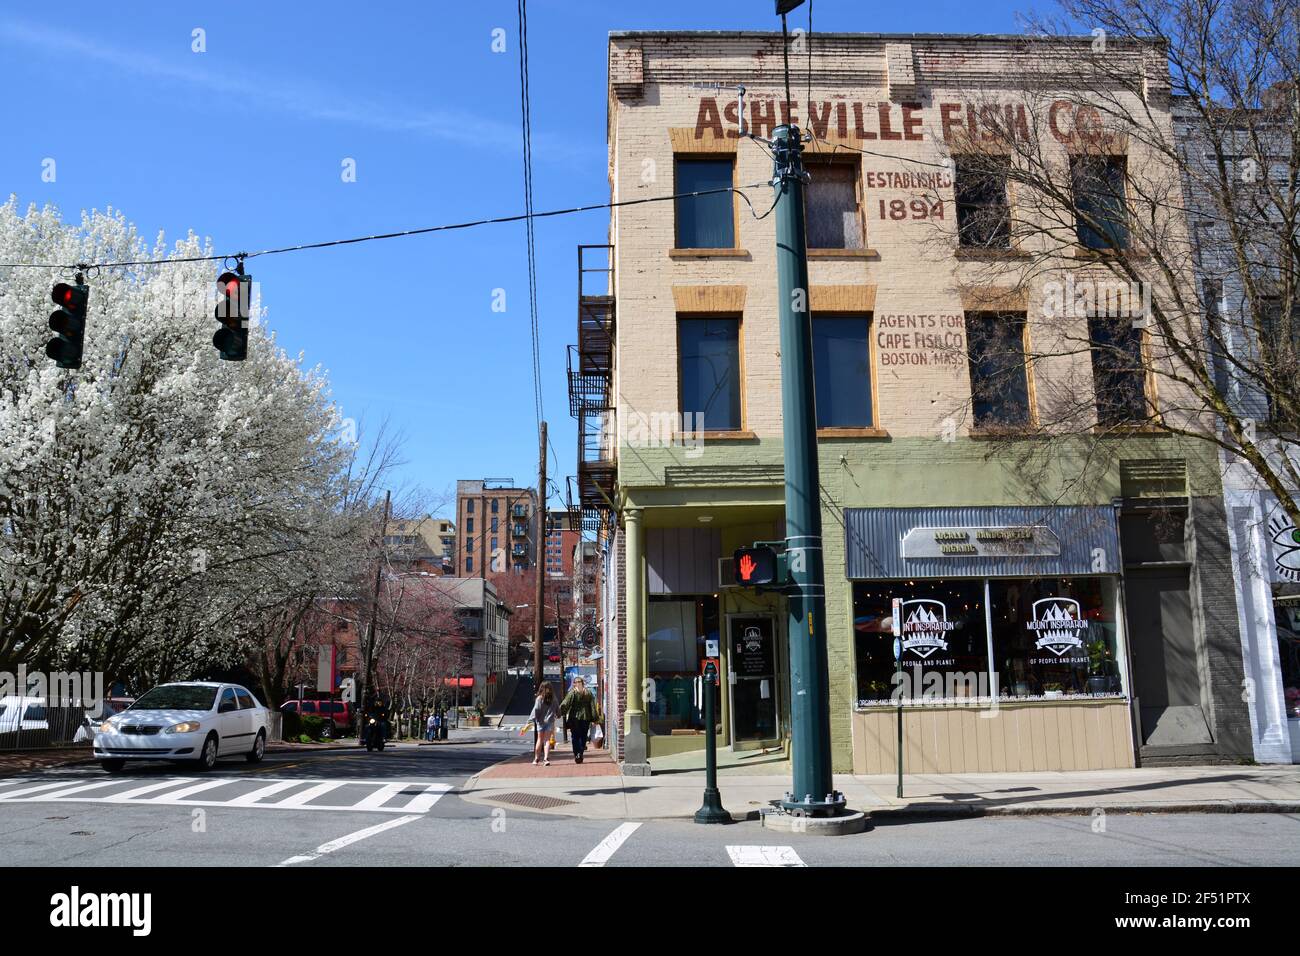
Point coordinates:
[(543, 718), (580, 710)]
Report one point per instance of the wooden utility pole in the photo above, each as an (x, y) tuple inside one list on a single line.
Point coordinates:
[(539, 616), (368, 660)]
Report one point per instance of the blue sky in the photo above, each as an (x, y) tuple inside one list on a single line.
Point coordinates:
[(244, 143)]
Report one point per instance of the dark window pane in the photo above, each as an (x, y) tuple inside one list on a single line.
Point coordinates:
[(1054, 637), (831, 201), (999, 384), (842, 372), (981, 193), (1280, 358), (944, 645), (1101, 210), (1119, 379), (710, 372), (704, 222)]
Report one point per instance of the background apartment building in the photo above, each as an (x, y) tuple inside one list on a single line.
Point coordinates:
[(1097, 615), (422, 544), (497, 528)]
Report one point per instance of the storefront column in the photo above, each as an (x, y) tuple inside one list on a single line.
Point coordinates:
[(634, 720)]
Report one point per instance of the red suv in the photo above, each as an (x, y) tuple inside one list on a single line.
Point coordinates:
[(340, 712)]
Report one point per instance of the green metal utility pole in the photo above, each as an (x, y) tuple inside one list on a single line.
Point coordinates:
[(712, 810), (813, 793)]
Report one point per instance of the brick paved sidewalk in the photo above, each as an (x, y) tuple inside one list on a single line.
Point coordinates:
[(595, 763)]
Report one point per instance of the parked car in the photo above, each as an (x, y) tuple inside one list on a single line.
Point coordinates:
[(198, 721), (340, 712), (22, 713)]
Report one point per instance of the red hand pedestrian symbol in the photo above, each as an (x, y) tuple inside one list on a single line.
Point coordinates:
[(746, 567)]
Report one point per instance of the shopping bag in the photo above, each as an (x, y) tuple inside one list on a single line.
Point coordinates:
[(597, 735)]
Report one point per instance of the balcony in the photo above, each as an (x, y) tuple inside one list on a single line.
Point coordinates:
[(591, 374), (519, 530)]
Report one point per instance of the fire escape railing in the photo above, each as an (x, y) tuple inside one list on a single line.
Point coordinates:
[(591, 386)]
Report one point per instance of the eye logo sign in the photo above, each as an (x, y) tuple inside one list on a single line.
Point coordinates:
[(1060, 624), (1286, 550), (924, 626)]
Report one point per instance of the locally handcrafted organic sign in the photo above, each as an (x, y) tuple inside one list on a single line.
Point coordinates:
[(1026, 541)]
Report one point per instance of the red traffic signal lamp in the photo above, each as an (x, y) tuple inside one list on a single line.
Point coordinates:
[(69, 323), (757, 567), (234, 297)]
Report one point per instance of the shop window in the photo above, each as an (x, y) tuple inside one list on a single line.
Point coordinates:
[(1286, 611), (999, 376), (1100, 206), (675, 635), (842, 371), (944, 640), (1118, 373), (709, 355), (704, 222), (1054, 637), (833, 217), (983, 220)]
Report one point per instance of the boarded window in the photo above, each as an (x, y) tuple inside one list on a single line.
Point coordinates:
[(704, 222), (831, 200), (842, 371)]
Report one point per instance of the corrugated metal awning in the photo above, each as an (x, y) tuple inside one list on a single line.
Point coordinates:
[(1020, 541)]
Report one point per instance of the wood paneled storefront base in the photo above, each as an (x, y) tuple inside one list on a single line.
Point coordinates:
[(1060, 735)]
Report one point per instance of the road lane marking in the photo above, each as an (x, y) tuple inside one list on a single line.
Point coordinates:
[(258, 793), (348, 840), (252, 797), (606, 848), (311, 793), (381, 796), (126, 795), (209, 784), (764, 856), (425, 801), (61, 785)]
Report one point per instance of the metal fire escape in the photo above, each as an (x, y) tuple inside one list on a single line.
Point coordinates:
[(591, 388)]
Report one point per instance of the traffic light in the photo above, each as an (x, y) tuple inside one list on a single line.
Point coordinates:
[(756, 567), (69, 321), (233, 299)]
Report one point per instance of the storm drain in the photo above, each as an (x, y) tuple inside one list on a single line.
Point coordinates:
[(533, 801)]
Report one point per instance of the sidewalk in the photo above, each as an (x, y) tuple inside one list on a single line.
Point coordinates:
[(568, 790)]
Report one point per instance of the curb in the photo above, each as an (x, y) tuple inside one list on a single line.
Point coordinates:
[(1077, 809)]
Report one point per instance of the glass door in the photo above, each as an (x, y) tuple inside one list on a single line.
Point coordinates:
[(752, 652)]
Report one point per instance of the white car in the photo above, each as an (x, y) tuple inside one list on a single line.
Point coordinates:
[(22, 713), (197, 721)]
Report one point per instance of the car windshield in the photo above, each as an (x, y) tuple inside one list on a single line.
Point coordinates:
[(177, 697)]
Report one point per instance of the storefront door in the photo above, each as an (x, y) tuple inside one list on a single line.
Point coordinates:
[(752, 659)]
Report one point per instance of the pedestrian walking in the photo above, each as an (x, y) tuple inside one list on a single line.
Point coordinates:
[(431, 727), (543, 717), (580, 711)]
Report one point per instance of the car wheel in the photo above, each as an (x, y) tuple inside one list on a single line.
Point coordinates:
[(259, 749), (208, 756), (113, 766)]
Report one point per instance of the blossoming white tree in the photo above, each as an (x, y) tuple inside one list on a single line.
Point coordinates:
[(157, 501)]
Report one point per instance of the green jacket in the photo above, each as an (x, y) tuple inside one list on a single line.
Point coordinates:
[(580, 705)]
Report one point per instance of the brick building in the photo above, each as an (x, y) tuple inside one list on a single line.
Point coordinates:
[(1089, 621), (496, 529)]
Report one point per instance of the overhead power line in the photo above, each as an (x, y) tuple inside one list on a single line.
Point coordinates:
[(424, 230)]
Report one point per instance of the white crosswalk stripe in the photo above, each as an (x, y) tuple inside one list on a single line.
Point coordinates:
[(258, 793), (764, 856)]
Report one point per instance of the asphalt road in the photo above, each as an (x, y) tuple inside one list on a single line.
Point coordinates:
[(401, 808)]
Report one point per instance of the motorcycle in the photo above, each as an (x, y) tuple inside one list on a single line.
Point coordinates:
[(374, 735)]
